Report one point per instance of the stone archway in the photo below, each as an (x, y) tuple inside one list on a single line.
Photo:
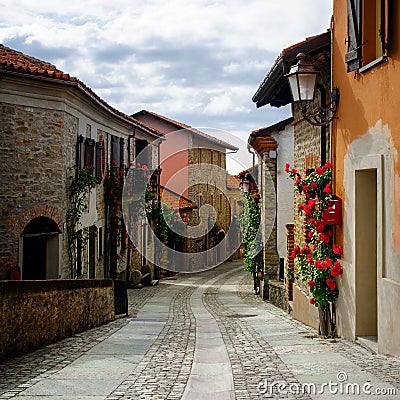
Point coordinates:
[(40, 249)]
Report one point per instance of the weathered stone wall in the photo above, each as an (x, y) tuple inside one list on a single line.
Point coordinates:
[(276, 294), (36, 313), (207, 185), (37, 147), (268, 220)]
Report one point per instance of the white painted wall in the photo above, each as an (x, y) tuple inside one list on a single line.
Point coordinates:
[(285, 189)]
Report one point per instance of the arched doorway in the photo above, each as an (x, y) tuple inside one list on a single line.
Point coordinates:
[(40, 243)]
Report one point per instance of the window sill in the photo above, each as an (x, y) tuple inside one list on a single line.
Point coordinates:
[(372, 64)]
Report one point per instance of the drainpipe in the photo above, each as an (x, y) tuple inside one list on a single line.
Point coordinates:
[(249, 149)]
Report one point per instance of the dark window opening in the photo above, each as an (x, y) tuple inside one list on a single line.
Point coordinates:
[(367, 32), (89, 153), (121, 153), (115, 152), (281, 269), (142, 152)]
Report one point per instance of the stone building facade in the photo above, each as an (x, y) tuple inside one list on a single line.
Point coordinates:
[(51, 122), (194, 165), (274, 147)]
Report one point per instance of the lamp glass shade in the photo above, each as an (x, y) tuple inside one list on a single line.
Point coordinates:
[(246, 186), (302, 79)]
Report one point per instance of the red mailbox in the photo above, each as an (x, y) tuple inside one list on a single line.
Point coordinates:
[(333, 214)]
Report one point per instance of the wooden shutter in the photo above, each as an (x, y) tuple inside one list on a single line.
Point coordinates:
[(353, 55), (121, 152), (98, 166), (80, 152), (385, 27)]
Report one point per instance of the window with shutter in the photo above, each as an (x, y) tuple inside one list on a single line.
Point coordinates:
[(353, 55), (374, 30), (368, 33), (89, 152)]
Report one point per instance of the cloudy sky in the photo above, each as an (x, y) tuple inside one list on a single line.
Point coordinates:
[(196, 61)]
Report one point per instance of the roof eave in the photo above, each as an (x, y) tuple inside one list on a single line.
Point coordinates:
[(76, 84), (274, 89)]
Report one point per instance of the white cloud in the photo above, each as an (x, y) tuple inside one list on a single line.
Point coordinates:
[(194, 60)]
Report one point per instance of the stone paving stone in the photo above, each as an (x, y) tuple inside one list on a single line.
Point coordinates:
[(263, 343), (30, 368)]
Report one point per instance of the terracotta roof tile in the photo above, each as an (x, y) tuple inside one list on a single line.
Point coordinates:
[(263, 144), (181, 125), (232, 181), (13, 61), (176, 201)]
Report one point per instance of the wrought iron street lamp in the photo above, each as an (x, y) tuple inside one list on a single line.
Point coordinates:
[(246, 183), (302, 81)]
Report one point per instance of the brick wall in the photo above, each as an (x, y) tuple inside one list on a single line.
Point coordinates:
[(267, 182), (36, 313), (307, 147)]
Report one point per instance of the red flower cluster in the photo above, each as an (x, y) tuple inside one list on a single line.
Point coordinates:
[(337, 269), (118, 243), (317, 263), (331, 284), (337, 249)]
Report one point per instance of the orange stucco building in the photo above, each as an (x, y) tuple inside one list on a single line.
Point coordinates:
[(365, 146)]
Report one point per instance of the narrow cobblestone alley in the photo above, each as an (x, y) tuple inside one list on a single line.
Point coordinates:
[(200, 336)]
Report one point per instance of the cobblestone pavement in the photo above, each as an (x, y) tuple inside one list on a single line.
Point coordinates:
[(200, 336)]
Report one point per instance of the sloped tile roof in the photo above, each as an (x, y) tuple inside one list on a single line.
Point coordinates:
[(264, 144), (267, 130), (274, 89), (176, 201), (20, 64), (232, 181), (180, 125), (261, 139)]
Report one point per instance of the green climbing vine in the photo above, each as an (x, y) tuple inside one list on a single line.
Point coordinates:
[(118, 242), (81, 181), (250, 221)]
